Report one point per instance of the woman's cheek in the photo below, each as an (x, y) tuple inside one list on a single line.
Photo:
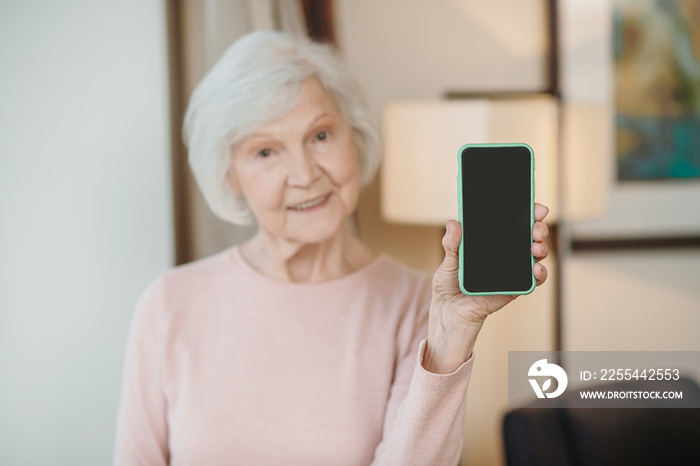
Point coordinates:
[(351, 186), (348, 167), (341, 171), (262, 190)]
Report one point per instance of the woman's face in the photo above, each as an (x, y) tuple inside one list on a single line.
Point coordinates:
[(300, 174)]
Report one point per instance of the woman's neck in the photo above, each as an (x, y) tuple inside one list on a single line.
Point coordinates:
[(291, 261)]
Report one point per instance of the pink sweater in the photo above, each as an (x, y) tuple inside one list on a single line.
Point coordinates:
[(225, 366)]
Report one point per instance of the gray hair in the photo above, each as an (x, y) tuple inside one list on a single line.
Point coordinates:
[(257, 81)]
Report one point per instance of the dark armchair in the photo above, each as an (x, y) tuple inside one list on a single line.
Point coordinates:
[(569, 436)]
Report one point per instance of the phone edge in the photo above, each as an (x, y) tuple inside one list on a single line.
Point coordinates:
[(532, 217)]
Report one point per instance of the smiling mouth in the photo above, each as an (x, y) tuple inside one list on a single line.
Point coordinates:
[(312, 203)]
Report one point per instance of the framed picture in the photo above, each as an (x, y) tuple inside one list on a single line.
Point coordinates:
[(638, 62)]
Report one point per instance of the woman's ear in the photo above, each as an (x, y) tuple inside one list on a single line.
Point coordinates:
[(233, 183)]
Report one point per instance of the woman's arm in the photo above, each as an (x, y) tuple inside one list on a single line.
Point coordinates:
[(456, 319), (142, 430)]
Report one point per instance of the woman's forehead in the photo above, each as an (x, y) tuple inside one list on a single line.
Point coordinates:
[(314, 106), (269, 130)]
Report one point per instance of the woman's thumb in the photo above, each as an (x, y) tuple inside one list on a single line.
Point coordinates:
[(450, 242)]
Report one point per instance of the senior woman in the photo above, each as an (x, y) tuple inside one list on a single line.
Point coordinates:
[(302, 346)]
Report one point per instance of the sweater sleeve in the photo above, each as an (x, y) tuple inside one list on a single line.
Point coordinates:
[(142, 429), (424, 419)]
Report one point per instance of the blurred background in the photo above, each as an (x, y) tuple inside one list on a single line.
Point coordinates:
[(96, 199)]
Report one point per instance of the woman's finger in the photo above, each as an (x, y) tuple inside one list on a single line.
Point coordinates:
[(539, 250), (450, 243), (540, 272), (445, 279), (540, 231), (541, 211)]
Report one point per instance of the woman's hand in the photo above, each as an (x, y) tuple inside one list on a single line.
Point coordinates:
[(455, 318)]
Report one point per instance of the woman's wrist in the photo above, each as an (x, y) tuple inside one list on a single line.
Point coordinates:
[(450, 343)]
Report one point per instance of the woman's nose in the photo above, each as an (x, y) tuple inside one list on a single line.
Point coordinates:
[(303, 169)]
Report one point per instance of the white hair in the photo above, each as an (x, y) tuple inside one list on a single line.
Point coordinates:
[(257, 81)]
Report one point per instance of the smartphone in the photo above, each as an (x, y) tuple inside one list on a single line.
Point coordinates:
[(496, 189)]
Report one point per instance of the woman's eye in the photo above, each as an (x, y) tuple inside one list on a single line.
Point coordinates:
[(321, 136), (264, 153)]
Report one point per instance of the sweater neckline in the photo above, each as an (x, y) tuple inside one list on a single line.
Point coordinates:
[(235, 255)]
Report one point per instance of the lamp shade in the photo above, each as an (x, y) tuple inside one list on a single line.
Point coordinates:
[(421, 140)]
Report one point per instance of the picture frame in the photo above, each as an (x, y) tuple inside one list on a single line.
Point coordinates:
[(655, 212)]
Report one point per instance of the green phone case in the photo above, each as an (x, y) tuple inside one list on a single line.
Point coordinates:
[(532, 216)]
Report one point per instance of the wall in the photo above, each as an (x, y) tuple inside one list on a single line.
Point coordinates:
[(86, 215), (633, 301)]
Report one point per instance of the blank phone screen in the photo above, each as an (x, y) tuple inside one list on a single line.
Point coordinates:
[(496, 213)]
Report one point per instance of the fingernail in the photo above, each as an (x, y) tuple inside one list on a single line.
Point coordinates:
[(542, 232)]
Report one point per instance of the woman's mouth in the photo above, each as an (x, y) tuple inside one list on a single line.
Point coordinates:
[(313, 204)]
